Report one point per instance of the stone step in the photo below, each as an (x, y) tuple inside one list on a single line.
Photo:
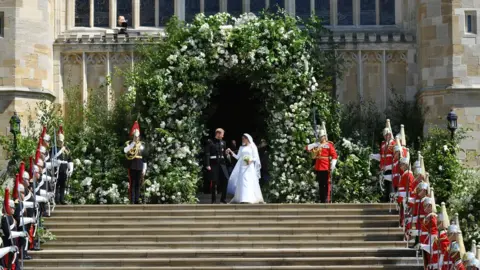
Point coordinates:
[(219, 231), (221, 244), (299, 267), (234, 237), (299, 224), (230, 253), (210, 212), (196, 207), (225, 262), (191, 218)]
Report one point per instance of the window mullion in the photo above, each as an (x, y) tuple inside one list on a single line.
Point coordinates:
[(92, 13), (377, 11)]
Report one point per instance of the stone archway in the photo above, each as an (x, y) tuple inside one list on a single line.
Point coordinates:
[(174, 85)]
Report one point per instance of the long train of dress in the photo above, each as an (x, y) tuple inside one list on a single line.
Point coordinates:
[(244, 180)]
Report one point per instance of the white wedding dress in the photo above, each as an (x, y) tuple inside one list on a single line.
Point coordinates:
[(244, 180)]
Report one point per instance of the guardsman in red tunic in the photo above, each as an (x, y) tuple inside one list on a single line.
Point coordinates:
[(325, 160), (136, 163), (396, 171), (386, 160), (446, 261), (455, 261), (405, 186), (414, 223)]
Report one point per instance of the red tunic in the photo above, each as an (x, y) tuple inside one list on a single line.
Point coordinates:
[(396, 173), (386, 155), (324, 153), (405, 185), (429, 229)]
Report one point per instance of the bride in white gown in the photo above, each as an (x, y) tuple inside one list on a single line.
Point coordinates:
[(244, 180)]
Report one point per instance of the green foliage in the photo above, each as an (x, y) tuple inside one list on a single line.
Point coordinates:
[(173, 88), (441, 161), (94, 134), (353, 180)]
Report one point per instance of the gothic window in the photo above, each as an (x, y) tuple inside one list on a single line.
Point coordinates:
[(211, 7), (345, 12), (257, 6), (82, 13), (147, 13), (276, 4), (101, 9), (303, 9), (235, 7), (368, 12), (166, 11), (470, 22), (192, 8), (387, 12), (124, 8), (322, 10)]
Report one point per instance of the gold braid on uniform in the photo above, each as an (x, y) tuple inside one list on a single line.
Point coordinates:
[(133, 153)]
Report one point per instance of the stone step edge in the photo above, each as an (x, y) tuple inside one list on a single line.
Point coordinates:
[(218, 259), (233, 216), (228, 250), (195, 222), (300, 267), (56, 242)]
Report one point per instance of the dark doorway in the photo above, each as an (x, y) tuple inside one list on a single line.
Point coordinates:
[(238, 109)]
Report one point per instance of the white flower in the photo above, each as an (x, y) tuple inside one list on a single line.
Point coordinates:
[(179, 85), (87, 181), (445, 148), (87, 162), (440, 168), (77, 162), (84, 149)]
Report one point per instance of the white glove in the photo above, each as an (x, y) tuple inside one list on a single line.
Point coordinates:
[(26, 220), (70, 169), (144, 168), (13, 249), (332, 166), (375, 156), (18, 234), (129, 147), (48, 165), (28, 205), (47, 178)]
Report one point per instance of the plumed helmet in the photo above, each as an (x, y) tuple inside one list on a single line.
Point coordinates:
[(21, 170), (323, 130), (405, 160), (423, 186), (454, 247), (453, 229), (135, 130), (388, 128), (16, 182), (61, 135), (45, 136), (6, 202), (403, 137), (468, 258), (398, 146), (30, 167), (427, 201), (38, 158)]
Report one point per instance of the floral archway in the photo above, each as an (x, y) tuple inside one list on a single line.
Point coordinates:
[(173, 86)]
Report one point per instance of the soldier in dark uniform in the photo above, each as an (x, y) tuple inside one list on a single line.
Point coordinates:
[(136, 164), (64, 164), (10, 235), (215, 163)]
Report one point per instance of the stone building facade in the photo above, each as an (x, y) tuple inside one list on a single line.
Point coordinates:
[(416, 48)]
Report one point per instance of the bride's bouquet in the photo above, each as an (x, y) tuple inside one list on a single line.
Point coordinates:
[(247, 159)]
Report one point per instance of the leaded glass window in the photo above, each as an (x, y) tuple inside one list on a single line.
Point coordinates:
[(276, 4), (101, 16), (368, 12), (345, 12), (235, 7), (387, 12), (147, 13), (211, 7), (167, 10), (256, 6), (124, 8), (303, 9), (82, 13), (192, 8), (322, 10)]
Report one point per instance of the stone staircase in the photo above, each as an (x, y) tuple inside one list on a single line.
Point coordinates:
[(207, 237)]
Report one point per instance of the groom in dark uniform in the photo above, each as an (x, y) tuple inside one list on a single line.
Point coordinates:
[(215, 163)]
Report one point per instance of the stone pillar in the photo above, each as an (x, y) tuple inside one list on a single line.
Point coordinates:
[(449, 68), (26, 58)]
